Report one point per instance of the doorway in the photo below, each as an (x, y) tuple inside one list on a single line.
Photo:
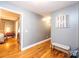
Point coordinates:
[(9, 32)]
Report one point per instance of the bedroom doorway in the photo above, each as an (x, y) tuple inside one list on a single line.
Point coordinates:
[(9, 31)]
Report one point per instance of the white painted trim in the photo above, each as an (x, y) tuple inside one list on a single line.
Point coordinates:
[(35, 44), (21, 18), (21, 32)]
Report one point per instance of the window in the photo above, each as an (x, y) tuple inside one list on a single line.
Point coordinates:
[(61, 21)]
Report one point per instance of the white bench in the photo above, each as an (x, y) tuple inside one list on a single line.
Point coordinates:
[(61, 47)]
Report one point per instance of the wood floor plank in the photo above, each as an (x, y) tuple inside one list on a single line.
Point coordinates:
[(10, 49)]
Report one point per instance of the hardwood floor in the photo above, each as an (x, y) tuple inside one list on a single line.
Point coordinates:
[(39, 51), (10, 46)]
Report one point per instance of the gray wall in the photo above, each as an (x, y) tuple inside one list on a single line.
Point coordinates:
[(33, 28), (66, 36), (78, 28), (78, 25), (37, 31)]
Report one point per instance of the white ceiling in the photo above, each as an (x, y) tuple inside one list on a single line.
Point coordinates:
[(43, 7)]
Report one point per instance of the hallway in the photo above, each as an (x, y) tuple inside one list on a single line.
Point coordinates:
[(32, 22)]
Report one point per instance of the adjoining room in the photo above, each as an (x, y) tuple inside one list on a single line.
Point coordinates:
[(9, 32)]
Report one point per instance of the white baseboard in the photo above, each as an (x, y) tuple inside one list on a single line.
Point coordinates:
[(34, 44)]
